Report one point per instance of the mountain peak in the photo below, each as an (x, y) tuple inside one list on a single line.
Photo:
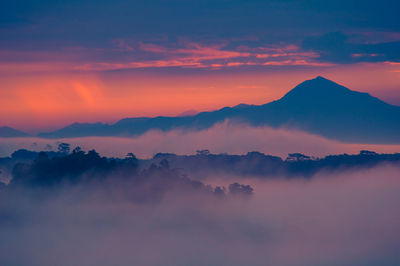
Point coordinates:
[(321, 83), (317, 89), (321, 78)]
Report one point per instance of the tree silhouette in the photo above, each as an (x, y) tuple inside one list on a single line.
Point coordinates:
[(64, 148)]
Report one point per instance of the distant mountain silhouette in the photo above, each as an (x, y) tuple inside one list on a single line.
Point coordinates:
[(319, 106), (189, 113), (8, 132)]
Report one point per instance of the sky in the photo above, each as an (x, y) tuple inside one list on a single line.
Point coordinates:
[(89, 61)]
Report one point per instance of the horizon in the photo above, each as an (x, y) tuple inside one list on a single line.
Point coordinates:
[(191, 112)]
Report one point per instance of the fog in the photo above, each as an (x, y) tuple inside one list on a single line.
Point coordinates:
[(225, 137), (343, 219)]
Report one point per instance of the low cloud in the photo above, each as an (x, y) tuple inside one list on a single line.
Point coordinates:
[(345, 219), (226, 137)]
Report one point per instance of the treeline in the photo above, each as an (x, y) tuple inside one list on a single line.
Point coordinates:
[(53, 170), (166, 171), (256, 164)]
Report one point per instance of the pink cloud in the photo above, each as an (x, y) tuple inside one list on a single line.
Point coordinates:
[(393, 63), (364, 55), (296, 63), (195, 51), (148, 47), (150, 55), (195, 55)]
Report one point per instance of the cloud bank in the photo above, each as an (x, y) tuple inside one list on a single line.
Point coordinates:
[(221, 138), (346, 219)]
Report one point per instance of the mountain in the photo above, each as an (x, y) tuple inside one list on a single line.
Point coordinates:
[(8, 132), (188, 113), (319, 106)]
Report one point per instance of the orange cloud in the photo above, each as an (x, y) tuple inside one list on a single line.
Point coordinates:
[(393, 63), (195, 51), (300, 62)]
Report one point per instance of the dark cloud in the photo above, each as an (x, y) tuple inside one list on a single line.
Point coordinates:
[(338, 47), (52, 25)]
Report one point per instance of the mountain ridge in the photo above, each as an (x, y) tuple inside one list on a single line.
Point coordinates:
[(9, 132), (319, 106)]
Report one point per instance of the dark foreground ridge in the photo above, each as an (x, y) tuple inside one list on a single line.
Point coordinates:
[(59, 170), (319, 106), (29, 168), (259, 165)]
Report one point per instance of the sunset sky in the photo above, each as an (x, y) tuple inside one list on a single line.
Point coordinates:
[(88, 61)]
